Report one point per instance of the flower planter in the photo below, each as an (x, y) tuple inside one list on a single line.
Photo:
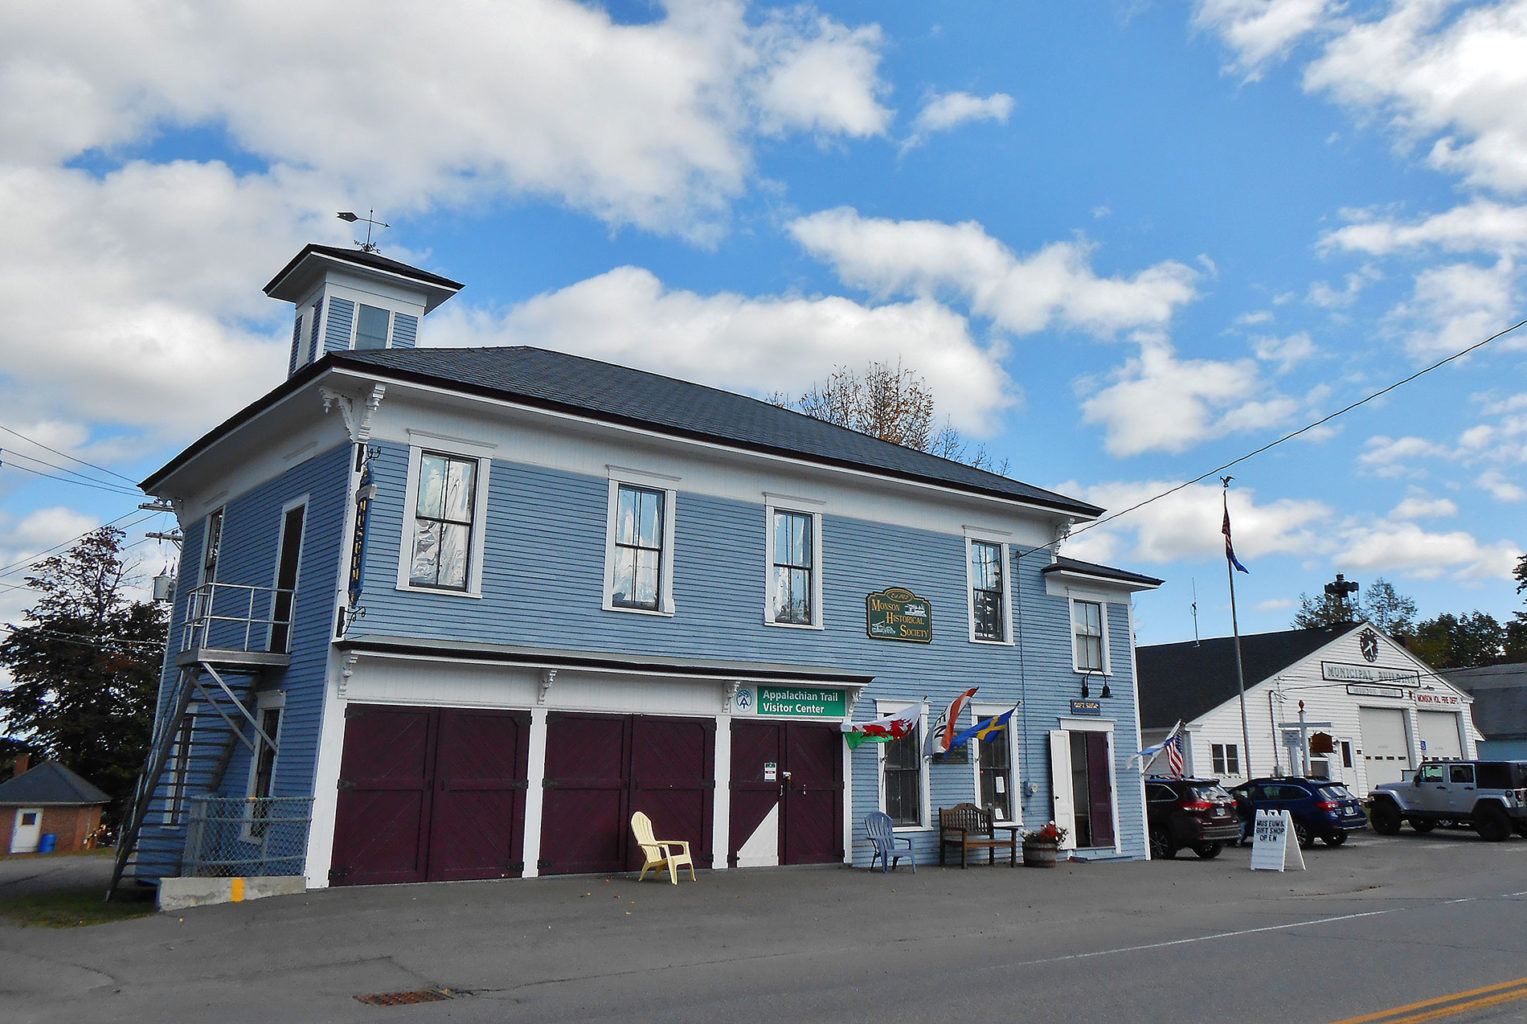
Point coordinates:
[(1040, 855)]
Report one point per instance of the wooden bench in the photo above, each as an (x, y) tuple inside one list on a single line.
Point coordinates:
[(971, 828)]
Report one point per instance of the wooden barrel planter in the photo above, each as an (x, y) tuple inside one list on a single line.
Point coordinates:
[(1040, 855)]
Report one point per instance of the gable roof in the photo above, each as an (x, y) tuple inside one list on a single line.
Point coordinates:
[(1500, 698), (1077, 567), (50, 783), (374, 260), (1184, 680), (609, 393)]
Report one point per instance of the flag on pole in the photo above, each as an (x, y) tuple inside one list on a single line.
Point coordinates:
[(1229, 549), (1172, 743), (883, 730), (941, 736), (984, 728), (1174, 754)]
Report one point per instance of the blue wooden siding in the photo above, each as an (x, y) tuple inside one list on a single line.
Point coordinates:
[(405, 330), (341, 321), (543, 586), (251, 536)]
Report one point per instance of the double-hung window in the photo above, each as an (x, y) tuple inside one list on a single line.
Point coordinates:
[(902, 767), (445, 508), (1226, 757), (986, 590), (639, 543), (443, 522), (794, 559), (1087, 633), (262, 769)]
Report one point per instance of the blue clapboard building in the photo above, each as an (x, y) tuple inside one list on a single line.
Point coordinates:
[(458, 613)]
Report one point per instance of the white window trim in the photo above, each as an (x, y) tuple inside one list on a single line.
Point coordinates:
[(1101, 600), (973, 536), (1014, 793), (419, 443), (799, 506), (221, 515), (653, 482), (275, 700), (275, 572), (392, 306), (925, 794)]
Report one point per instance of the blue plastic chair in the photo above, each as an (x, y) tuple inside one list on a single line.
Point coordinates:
[(877, 825)]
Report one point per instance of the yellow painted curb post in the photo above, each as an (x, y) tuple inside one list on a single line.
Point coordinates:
[(236, 890)]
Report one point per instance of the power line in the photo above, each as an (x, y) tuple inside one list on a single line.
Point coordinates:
[(1290, 436), (71, 458), (83, 639), (72, 478), (28, 561)]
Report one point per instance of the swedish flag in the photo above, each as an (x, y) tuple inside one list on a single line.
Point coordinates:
[(984, 728)]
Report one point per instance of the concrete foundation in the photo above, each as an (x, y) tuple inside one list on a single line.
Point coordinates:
[(180, 893)]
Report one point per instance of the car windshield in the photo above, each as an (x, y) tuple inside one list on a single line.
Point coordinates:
[(1210, 793), (1335, 793)]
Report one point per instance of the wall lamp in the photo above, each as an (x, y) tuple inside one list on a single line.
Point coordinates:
[(1087, 692)]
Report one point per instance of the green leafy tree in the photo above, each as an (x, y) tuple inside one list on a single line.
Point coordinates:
[(1516, 629), (85, 665), (1380, 604), (1466, 641)]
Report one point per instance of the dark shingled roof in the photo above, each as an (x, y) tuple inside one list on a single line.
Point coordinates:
[(1500, 698), (1184, 680), (374, 260), (50, 783), (1076, 565), (620, 394)]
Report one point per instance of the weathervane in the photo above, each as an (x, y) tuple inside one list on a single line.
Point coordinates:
[(367, 245)]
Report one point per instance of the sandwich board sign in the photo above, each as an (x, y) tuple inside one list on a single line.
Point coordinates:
[(1274, 846)]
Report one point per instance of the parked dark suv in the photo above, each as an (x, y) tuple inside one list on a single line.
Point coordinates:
[(1193, 813), (1320, 808)]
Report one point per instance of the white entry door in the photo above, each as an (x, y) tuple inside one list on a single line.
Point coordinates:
[(27, 831)]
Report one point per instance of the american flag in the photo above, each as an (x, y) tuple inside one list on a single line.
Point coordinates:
[(1174, 754)]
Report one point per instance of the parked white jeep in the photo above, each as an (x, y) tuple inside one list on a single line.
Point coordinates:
[(1489, 795)]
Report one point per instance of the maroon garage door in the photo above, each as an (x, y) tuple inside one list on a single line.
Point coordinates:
[(808, 788), (600, 769), (430, 795)]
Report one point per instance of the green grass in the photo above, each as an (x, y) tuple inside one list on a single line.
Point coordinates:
[(74, 908)]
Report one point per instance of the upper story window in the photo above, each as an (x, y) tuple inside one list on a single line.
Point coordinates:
[(639, 545), (794, 556), (986, 586), (371, 325), (1090, 650), (444, 518), (211, 546), (443, 521)]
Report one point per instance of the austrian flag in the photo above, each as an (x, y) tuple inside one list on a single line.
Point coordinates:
[(883, 730)]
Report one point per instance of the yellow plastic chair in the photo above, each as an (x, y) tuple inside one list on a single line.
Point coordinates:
[(657, 852)]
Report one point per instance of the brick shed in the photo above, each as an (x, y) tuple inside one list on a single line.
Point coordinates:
[(47, 800)]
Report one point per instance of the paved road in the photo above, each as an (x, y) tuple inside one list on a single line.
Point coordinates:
[(1377, 924)]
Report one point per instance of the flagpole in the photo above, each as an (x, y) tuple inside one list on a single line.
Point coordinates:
[(1235, 628)]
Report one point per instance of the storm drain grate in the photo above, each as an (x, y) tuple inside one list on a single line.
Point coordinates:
[(423, 995)]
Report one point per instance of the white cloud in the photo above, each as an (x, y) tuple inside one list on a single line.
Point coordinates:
[(1055, 286), (945, 111), (1501, 487), (1478, 226), (1260, 30), (644, 124), (1390, 457), (1386, 547), (1421, 506), (1260, 316), (1455, 306), (1159, 402), (1185, 525), (1286, 352), (754, 345), (1327, 297)]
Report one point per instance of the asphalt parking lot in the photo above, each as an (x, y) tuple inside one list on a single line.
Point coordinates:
[(800, 940)]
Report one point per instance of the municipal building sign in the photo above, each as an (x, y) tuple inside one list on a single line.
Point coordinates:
[(896, 613)]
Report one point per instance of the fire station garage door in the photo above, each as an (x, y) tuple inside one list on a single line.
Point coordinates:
[(1386, 750), (600, 769), (430, 795), (1439, 734)]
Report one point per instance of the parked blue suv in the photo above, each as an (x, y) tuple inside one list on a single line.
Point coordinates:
[(1320, 808)]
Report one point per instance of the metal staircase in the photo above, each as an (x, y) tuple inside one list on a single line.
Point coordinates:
[(201, 721)]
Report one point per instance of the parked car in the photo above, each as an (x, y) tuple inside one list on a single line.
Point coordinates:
[(1321, 809), (1196, 814), (1490, 796)]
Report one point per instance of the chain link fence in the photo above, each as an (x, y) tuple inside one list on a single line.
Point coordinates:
[(246, 837)]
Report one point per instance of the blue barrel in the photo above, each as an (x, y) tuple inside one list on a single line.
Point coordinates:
[(47, 842)]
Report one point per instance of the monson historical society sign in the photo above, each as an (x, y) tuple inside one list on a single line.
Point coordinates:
[(896, 613)]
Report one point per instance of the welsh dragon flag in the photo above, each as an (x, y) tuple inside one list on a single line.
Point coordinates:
[(883, 730)]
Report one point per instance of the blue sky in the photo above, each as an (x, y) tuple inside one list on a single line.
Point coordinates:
[(1125, 243)]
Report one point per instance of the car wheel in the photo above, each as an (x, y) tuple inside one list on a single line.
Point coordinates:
[(1423, 826), (1161, 845), (1208, 851), (1303, 834), (1385, 818), (1334, 839), (1521, 829), (1492, 824)]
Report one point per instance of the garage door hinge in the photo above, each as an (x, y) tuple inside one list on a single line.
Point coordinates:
[(731, 858), (708, 784), (353, 711), (521, 784), (517, 866), (344, 784), (338, 874), (543, 864), (548, 783)]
